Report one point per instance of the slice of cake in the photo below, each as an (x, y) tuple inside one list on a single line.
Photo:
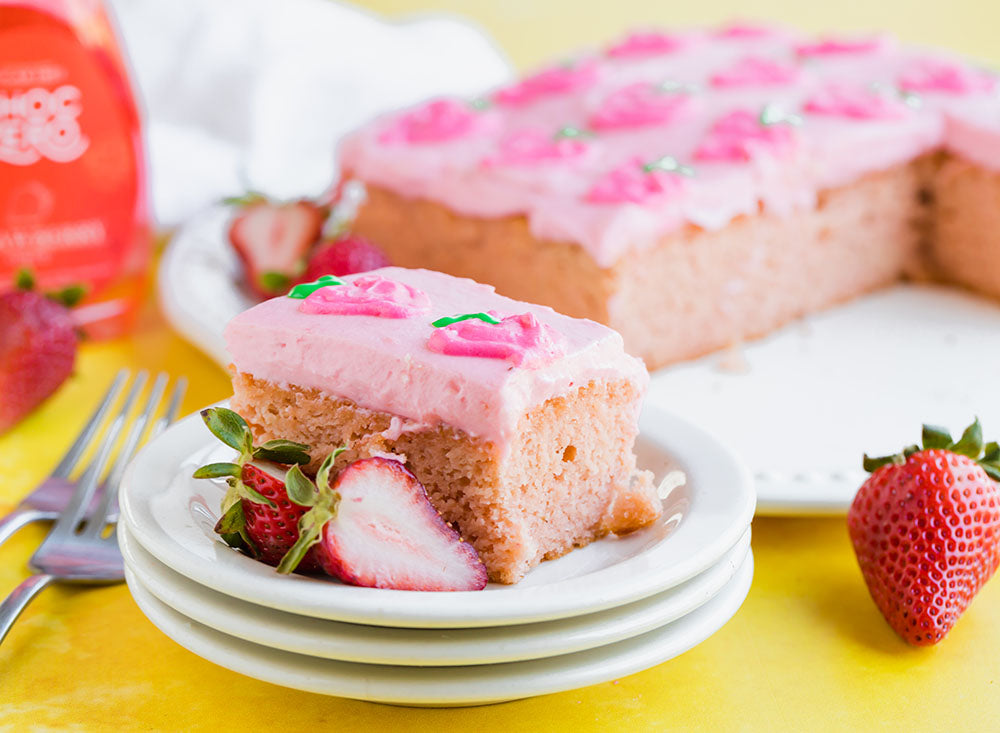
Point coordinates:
[(726, 180), (519, 421)]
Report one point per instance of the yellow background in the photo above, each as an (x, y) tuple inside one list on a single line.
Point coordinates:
[(808, 651)]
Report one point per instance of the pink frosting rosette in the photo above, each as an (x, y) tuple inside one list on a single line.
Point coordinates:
[(638, 105), (521, 339), (368, 295), (634, 182), (437, 121), (534, 147), (755, 71), (741, 135), (857, 103), (835, 46), (555, 80), (647, 43), (935, 75)]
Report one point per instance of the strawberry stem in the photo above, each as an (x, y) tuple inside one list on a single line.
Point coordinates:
[(934, 437)]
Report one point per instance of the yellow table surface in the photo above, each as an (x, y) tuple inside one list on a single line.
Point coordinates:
[(808, 650)]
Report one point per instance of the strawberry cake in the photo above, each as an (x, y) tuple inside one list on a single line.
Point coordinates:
[(693, 189), (519, 421)]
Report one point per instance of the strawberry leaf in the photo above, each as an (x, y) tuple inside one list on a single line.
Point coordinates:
[(936, 437), (229, 427), (870, 464), (991, 454), (323, 474), (300, 489), (992, 470), (274, 282), (218, 470), (971, 442), (70, 295), (283, 451), (247, 199), (24, 280), (232, 528), (310, 530)]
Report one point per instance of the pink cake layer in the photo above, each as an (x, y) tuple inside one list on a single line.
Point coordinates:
[(836, 110), (385, 364)]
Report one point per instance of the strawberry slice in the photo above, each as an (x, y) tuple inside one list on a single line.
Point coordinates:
[(257, 515), (273, 241), (376, 528)]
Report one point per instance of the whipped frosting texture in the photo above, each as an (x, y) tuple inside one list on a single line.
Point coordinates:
[(478, 377)]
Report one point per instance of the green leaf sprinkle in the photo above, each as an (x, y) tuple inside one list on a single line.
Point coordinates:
[(571, 132), (668, 163), (772, 114), (447, 321), (70, 295), (304, 290), (480, 103)]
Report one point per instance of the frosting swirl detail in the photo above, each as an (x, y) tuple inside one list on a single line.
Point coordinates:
[(368, 295), (532, 147), (436, 121), (755, 71), (554, 80), (741, 136), (856, 103), (520, 339), (838, 46), (931, 75), (634, 182), (646, 43), (637, 105)]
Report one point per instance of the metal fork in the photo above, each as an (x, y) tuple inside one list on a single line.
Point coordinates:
[(80, 548), (52, 495)]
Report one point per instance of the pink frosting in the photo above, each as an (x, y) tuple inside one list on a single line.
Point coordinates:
[(554, 80), (755, 71), (632, 183), (744, 31), (437, 121), (637, 105), (647, 43), (368, 295), (533, 147), (856, 103), (740, 135), (590, 199), (385, 364), (522, 340), (832, 46), (934, 75)]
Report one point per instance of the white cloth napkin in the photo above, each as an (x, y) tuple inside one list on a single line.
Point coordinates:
[(254, 94)]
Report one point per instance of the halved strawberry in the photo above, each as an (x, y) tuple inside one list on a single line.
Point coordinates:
[(273, 241), (376, 528), (257, 516)]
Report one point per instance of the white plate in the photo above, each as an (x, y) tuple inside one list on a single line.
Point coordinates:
[(448, 686), (172, 515), (424, 647), (800, 407)]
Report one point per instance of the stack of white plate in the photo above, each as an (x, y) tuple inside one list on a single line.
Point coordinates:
[(613, 608)]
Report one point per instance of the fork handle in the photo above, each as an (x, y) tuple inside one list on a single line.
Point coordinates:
[(19, 598), (18, 518)]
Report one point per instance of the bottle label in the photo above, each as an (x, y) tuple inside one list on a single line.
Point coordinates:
[(40, 123)]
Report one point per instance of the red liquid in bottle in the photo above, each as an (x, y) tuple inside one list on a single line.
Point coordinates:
[(73, 206)]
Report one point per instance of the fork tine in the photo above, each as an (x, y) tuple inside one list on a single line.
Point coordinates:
[(171, 412), (87, 483), (98, 518), (76, 450)]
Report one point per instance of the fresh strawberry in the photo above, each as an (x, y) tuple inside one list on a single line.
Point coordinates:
[(257, 515), (37, 349), (925, 527), (344, 256), (273, 240), (376, 528)]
